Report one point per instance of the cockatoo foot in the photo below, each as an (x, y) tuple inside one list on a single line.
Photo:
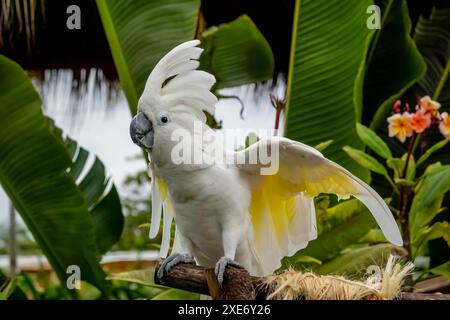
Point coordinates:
[(171, 261), (220, 267)]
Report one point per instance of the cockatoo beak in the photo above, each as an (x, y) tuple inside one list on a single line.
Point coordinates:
[(141, 131)]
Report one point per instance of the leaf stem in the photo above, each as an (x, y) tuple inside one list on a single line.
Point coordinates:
[(411, 147), (391, 182), (442, 82)]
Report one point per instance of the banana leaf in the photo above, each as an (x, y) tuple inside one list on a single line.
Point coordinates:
[(329, 45), (394, 63), (237, 54), (33, 172), (141, 32)]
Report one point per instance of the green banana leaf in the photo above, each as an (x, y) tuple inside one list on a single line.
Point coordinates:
[(427, 205), (329, 44), (355, 262), (394, 63), (33, 163), (237, 54), (443, 269), (145, 277), (175, 294), (101, 195), (141, 32), (142, 276), (9, 289), (432, 37)]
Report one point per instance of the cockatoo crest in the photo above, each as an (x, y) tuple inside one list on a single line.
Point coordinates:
[(176, 86)]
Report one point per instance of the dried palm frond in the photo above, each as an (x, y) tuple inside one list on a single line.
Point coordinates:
[(383, 285), (18, 17)]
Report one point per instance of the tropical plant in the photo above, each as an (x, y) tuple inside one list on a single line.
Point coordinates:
[(236, 53), (417, 198), (39, 171), (388, 75), (341, 74), (343, 78)]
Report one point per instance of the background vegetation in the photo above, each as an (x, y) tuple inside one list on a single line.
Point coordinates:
[(342, 82)]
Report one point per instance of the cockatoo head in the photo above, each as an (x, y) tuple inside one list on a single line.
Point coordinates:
[(175, 97)]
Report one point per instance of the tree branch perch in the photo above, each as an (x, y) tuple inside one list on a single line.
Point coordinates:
[(239, 285)]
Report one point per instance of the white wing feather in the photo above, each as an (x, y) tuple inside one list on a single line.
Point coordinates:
[(161, 206), (157, 203), (285, 217)]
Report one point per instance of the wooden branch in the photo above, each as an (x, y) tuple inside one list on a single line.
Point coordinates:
[(239, 285)]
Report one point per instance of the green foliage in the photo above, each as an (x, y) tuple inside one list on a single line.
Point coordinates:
[(323, 145), (355, 262), (137, 207), (9, 290), (145, 277), (141, 32), (426, 205), (442, 270), (236, 53), (393, 64), (431, 150), (340, 227), (420, 196), (102, 198), (365, 160), (325, 75), (33, 163), (432, 37), (373, 141)]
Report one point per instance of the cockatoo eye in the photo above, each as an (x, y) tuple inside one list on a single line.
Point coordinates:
[(164, 119)]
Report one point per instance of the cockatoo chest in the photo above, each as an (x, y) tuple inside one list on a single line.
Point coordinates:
[(206, 201)]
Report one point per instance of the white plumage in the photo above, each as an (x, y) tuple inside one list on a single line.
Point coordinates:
[(233, 211)]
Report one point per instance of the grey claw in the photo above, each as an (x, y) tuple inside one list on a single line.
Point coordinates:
[(220, 267), (171, 261)]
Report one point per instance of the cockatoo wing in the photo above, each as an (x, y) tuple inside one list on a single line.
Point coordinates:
[(282, 207), (161, 205), (176, 85)]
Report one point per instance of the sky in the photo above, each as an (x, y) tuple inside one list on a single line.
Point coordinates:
[(101, 123)]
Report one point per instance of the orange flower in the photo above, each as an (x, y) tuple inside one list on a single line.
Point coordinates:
[(420, 121), (444, 126), (400, 126), (429, 106)]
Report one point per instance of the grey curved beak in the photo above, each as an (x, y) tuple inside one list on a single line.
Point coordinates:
[(141, 131)]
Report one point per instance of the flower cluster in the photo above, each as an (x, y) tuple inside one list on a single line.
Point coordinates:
[(404, 123)]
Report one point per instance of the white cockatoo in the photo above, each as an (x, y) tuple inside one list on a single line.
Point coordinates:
[(231, 212)]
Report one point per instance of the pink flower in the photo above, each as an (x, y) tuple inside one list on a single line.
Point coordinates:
[(420, 121), (444, 126), (429, 106), (400, 126), (397, 105)]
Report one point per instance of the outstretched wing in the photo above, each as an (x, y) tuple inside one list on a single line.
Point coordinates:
[(176, 85), (282, 208)]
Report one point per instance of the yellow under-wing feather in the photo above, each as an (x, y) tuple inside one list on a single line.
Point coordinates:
[(282, 208)]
